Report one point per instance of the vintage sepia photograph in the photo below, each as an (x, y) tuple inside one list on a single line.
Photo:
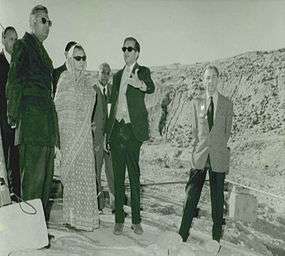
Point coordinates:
[(142, 127)]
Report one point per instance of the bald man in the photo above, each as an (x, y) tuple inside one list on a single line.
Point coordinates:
[(99, 119), (211, 120)]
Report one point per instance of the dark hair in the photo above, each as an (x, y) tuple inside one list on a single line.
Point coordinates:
[(39, 8), (212, 67), (10, 28), (137, 45), (69, 45)]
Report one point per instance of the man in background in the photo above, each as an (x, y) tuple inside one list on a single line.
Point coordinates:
[(11, 152), (99, 119)]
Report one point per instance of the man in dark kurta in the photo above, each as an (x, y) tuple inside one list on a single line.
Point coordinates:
[(31, 108), (11, 152)]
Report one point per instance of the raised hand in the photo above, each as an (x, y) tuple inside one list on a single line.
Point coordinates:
[(136, 82)]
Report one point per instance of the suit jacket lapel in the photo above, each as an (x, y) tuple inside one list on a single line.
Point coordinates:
[(136, 66), (118, 83), (115, 92), (6, 63)]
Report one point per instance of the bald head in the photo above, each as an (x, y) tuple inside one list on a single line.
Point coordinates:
[(40, 22), (104, 73)]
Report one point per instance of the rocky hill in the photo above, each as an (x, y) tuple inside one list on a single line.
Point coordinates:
[(252, 80)]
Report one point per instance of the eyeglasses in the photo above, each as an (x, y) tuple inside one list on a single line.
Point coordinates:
[(128, 48), (78, 58), (45, 20)]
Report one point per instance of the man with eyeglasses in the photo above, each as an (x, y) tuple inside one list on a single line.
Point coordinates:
[(31, 108), (127, 128), (11, 152), (57, 72)]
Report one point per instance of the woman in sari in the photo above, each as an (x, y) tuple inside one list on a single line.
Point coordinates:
[(74, 101)]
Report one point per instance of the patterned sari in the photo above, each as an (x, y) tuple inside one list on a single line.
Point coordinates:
[(74, 101)]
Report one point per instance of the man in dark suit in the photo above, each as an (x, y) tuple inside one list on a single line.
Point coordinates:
[(11, 152), (211, 120), (31, 108), (99, 119), (127, 129), (57, 72)]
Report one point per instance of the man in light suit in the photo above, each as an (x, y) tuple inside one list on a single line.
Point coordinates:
[(211, 119), (127, 129), (99, 118), (11, 152)]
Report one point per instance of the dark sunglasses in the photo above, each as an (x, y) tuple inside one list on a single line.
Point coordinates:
[(44, 21), (128, 48), (78, 58)]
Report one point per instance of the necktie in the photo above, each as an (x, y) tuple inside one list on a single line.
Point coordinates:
[(210, 114), (104, 93)]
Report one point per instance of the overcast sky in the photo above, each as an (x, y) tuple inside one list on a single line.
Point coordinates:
[(170, 31)]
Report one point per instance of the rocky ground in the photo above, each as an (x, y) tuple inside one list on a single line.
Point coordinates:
[(162, 163)]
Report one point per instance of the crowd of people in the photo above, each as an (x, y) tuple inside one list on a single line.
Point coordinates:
[(79, 119)]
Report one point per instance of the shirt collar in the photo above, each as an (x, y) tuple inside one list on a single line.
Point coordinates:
[(215, 96), (102, 87), (7, 55), (132, 66)]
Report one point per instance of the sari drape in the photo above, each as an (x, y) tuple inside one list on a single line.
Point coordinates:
[(74, 101)]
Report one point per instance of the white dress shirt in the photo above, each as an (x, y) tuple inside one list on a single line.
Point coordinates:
[(122, 107), (7, 56)]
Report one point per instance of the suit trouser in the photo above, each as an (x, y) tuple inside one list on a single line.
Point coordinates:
[(125, 150), (37, 168), (193, 190), (11, 156), (101, 155)]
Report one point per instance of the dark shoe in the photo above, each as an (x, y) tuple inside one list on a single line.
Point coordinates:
[(217, 232), (184, 239), (118, 228), (50, 237), (137, 228)]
